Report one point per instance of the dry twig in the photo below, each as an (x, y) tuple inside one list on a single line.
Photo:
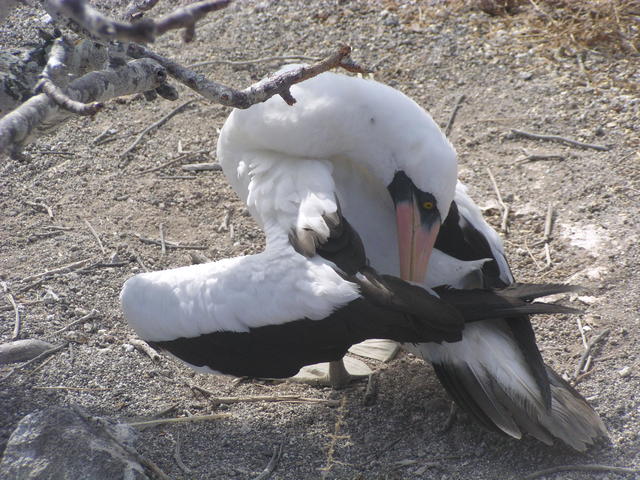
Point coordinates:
[(255, 60), (259, 92), (41, 112), (57, 271), (454, 112), (202, 167), (95, 235), (273, 463), (153, 126), (89, 316), (163, 246), (168, 243), (504, 228), (557, 138), (548, 224), (178, 458), (17, 325), (145, 348), (164, 421), (587, 353), (99, 26), (56, 70), (580, 468)]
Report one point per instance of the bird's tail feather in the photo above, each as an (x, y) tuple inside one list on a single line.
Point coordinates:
[(486, 377)]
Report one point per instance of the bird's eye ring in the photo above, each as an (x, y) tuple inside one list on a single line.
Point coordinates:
[(427, 205)]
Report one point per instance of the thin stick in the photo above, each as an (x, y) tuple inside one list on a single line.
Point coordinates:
[(587, 353), (107, 132), (92, 314), (44, 354), (56, 271), (452, 118), (505, 208), (95, 235), (526, 246), (581, 468), (164, 421), (166, 164), (77, 389), (178, 458), (177, 177), (18, 321), (548, 225), (534, 157), (153, 126), (261, 398), (581, 329), (273, 463), (202, 167), (168, 243), (144, 347), (139, 260), (557, 138), (40, 206), (163, 246), (256, 60)]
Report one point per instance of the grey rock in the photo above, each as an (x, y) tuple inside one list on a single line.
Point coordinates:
[(22, 350), (67, 444)]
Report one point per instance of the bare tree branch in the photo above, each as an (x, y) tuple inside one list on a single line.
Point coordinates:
[(259, 92), (145, 30), (186, 17), (40, 111), (137, 7), (55, 75)]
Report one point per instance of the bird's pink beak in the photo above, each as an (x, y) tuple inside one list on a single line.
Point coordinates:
[(415, 242)]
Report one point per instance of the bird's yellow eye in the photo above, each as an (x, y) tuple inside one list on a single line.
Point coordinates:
[(427, 205)]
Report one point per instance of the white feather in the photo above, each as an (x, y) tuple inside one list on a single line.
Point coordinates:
[(235, 294)]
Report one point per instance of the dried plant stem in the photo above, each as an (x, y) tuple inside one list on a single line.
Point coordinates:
[(581, 468), (165, 421), (504, 228), (557, 138)]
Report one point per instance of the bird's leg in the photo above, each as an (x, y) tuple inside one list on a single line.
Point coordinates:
[(338, 375)]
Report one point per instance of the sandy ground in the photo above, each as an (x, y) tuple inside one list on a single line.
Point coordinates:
[(508, 84)]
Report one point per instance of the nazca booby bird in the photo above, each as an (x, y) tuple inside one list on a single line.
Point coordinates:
[(389, 165)]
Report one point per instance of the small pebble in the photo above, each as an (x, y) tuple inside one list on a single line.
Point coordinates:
[(624, 372), (127, 347)]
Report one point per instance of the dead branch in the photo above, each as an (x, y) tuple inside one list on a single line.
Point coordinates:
[(42, 112), (95, 235), (504, 228), (164, 421), (454, 112), (163, 245), (57, 271), (89, 316), (153, 126), (273, 463), (557, 138), (254, 61), (257, 93), (145, 348), (178, 458), (202, 167), (168, 244), (18, 321), (102, 27), (186, 17), (580, 468), (587, 353), (54, 76), (535, 157)]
